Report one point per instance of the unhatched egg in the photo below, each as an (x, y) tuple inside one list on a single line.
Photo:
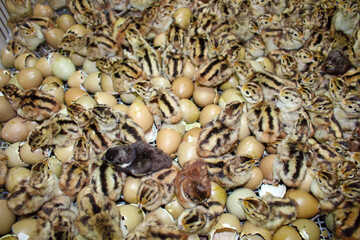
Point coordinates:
[(53, 36), (182, 17), (192, 135), (130, 189), (29, 77), (43, 10), (306, 203), (205, 95), (140, 114), (26, 227), (186, 152), (7, 217), (255, 180), (189, 70), (62, 67), (249, 229), (7, 112), (286, 233), (189, 111), (168, 140), (183, 87), (16, 129), (266, 166), (208, 113), (65, 21), (105, 98), (251, 146)]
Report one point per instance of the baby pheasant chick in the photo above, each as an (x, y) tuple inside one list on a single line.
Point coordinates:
[(33, 192), (157, 189), (220, 135), (192, 184), (271, 212), (98, 218)]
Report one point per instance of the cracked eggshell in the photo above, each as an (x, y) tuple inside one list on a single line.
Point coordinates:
[(140, 114), (26, 228), (92, 82), (192, 135), (55, 165), (286, 233), (5, 76), (64, 154), (7, 112), (31, 157), (251, 146), (186, 152), (77, 79), (131, 216), (130, 189), (250, 230), (208, 113), (12, 152), (43, 65), (105, 98), (174, 208), (73, 94), (227, 221), (308, 229), (266, 166)]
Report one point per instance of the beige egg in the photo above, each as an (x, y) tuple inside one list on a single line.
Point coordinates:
[(183, 87), (26, 227), (229, 96), (5, 76), (64, 154), (130, 189), (43, 65), (92, 82), (7, 217), (86, 101), (53, 36), (15, 176), (7, 58), (65, 21), (256, 179), (249, 230), (208, 113), (7, 112), (308, 229), (305, 185), (15, 130), (131, 216), (266, 166), (306, 203), (174, 208), (189, 70), (73, 94), (251, 146), (121, 108), (77, 79), (25, 60), (77, 59), (228, 220), (186, 152), (234, 206), (43, 10), (62, 67), (168, 140), (192, 135), (105, 98), (189, 111), (286, 233), (140, 114), (31, 157), (29, 77), (182, 17), (89, 66), (204, 96), (106, 83)]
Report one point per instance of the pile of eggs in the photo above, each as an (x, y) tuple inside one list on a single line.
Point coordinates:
[(74, 78)]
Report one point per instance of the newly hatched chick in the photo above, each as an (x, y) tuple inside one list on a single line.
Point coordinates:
[(230, 171), (346, 18), (322, 116), (56, 218), (192, 184), (32, 104), (346, 220), (351, 189), (29, 34), (220, 135), (33, 192), (157, 189), (269, 212), (98, 218), (137, 159)]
